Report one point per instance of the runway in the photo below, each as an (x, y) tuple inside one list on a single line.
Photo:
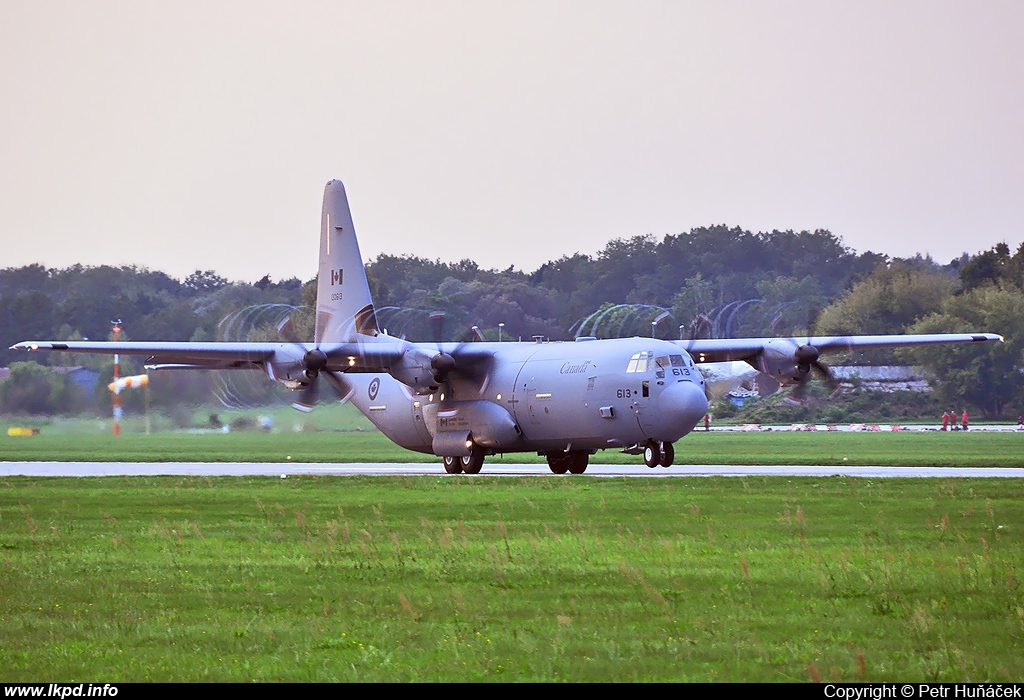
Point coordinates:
[(286, 469)]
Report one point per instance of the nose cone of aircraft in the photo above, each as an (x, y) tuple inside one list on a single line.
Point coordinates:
[(681, 407)]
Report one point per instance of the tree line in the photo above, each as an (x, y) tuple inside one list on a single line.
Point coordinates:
[(711, 281)]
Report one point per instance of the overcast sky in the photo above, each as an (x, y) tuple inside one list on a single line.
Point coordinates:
[(199, 135)]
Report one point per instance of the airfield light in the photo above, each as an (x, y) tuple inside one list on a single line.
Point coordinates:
[(501, 326), (654, 324)]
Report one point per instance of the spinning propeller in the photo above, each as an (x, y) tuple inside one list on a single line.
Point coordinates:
[(313, 363), (466, 364), (442, 363), (806, 357)]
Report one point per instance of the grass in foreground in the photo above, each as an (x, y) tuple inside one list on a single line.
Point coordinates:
[(339, 433), (319, 578)]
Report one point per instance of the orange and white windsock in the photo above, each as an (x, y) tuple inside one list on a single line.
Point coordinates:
[(139, 380)]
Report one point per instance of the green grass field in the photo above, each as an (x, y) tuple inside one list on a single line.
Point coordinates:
[(975, 449), (436, 578), (526, 579)]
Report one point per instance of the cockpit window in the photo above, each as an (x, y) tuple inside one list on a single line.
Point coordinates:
[(641, 362), (633, 362), (678, 361), (662, 361)]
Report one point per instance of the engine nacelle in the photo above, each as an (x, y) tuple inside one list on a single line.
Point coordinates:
[(415, 371), (779, 361), (288, 370)]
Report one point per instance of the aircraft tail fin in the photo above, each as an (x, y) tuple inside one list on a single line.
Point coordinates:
[(344, 309)]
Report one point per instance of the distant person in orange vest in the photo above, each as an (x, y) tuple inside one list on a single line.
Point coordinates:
[(707, 422), (945, 420), (964, 419), (1020, 422)]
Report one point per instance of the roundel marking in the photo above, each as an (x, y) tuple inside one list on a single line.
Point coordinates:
[(373, 388)]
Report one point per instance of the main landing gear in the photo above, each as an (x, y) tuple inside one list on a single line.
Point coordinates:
[(470, 465), (573, 462), (659, 454)]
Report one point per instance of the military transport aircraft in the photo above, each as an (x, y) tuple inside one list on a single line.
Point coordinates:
[(464, 401)]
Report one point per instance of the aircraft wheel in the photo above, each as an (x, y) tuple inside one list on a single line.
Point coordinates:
[(652, 455), (474, 462), (668, 454), (578, 462), (453, 465), (558, 463)]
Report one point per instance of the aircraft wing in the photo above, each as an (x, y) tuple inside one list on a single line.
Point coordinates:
[(726, 350), (341, 357)]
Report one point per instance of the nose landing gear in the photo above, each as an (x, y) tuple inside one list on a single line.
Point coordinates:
[(668, 454), (659, 454)]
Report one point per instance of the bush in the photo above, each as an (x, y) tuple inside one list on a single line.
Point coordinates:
[(723, 408), (34, 389), (857, 406), (180, 416), (243, 423)]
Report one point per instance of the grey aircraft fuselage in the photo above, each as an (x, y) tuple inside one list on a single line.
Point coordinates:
[(464, 401), (561, 397)]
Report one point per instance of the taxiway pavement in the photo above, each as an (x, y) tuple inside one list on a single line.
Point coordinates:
[(493, 468)]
